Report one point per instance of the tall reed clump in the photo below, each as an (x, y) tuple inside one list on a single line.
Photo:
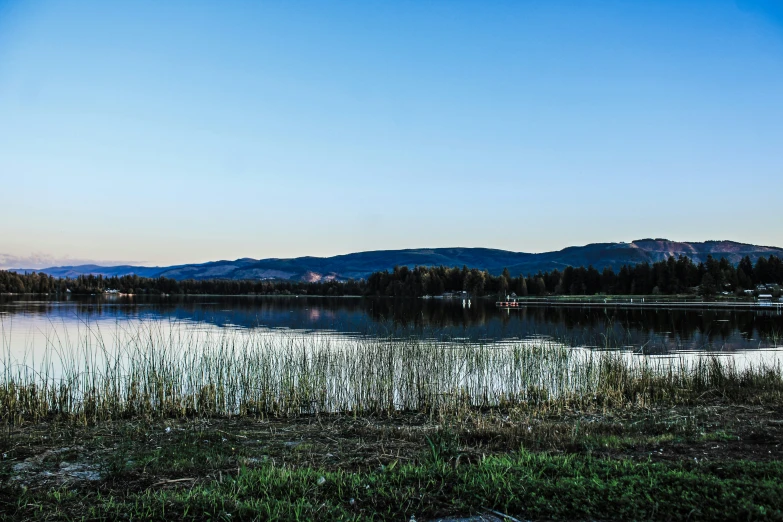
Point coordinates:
[(159, 371)]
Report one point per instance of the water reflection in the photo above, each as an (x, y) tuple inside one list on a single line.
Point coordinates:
[(27, 322)]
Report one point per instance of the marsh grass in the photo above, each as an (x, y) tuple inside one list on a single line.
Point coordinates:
[(155, 370)]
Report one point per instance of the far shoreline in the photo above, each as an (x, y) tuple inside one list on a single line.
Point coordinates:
[(684, 301)]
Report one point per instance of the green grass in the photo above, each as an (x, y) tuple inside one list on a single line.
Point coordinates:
[(524, 485), (683, 463)]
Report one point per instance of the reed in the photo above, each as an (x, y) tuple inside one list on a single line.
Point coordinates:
[(155, 370)]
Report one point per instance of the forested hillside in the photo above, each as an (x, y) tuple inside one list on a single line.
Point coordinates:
[(361, 265), (672, 276)]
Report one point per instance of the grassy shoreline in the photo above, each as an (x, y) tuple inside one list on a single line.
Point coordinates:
[(711, 461), (244, 428), (163, 372)]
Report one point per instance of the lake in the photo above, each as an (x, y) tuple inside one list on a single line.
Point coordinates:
[(284, 355), (27, 323)]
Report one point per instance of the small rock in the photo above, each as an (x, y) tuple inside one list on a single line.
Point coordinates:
[(256, 460), (22, 467), (86, 475)]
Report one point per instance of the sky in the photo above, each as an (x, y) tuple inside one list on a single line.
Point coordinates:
[(176, 132)]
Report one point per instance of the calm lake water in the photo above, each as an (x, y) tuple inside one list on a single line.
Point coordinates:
[(29, 324)]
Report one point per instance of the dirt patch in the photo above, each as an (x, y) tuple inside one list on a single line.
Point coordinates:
[(55, 467)]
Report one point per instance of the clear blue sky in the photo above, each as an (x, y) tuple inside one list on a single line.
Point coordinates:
[(168, 132)]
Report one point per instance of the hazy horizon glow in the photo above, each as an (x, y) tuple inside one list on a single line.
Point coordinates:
[(179, 132)]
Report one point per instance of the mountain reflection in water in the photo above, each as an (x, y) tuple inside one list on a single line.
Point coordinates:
[(651, 331)]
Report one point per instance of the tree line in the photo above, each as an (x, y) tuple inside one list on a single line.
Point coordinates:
[(672, 276), (39, 283)]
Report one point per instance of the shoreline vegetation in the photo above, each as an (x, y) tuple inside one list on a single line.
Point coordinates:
[(710, 461), (252, 428), (680, 277), (157, 371)]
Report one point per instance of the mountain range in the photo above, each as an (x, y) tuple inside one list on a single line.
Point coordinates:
[(360, 264)]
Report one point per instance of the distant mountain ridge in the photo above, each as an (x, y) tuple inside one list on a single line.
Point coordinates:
[(361, 264)]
